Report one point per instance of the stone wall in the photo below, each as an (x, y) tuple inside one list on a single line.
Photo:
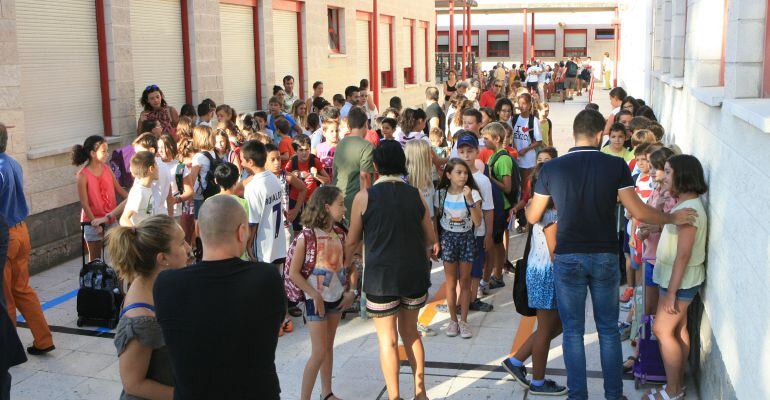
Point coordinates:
[(728, 129)]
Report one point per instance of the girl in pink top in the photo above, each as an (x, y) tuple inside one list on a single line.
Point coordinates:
[(96, 188)]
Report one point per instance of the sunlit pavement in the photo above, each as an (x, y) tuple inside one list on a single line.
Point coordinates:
[(84, 364)]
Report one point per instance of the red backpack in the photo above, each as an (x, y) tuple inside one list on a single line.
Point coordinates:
[(293, 292)]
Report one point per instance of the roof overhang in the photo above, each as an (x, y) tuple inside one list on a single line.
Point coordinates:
[(442, 6)]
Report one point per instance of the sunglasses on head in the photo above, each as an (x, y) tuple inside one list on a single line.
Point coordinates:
[(152, 87)]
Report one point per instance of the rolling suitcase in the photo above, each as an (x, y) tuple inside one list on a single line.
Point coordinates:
[(99, 297), (649, 365)]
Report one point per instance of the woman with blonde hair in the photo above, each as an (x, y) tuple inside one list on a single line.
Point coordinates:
[(299, 114), (138, 255)]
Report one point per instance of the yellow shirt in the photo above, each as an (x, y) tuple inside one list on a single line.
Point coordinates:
[(625, 154), (695, 273)]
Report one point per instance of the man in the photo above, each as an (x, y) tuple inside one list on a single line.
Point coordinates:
[(11, 351), (462, 88), (533, 73), (220, 317), (489, 98), (500, 72), (434, 114), (607, 67), (353, 166), (289, 98), (351, 100), (570, 77), (585, 185)]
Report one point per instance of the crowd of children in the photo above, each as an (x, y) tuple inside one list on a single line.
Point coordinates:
[(295, 168)]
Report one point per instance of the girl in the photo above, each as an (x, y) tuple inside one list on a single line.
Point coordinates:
[(546, 126), (325, 150), (222, 146), (299, 114), (138, 255), (457, 212), (457, 119), (679, 270), (152, 126), (183, 188), (184, 129), (324, 286), (504, 111), (313, 122), (204, 143), (180, 191), (541, 291), (139, 203), (412, 126), (226, 113), (96, 188), (438, 144)]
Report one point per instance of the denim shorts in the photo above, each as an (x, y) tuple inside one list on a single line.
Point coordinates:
[(648, 268), (458, 246), (92, 235), (329, 308), (683, 294)]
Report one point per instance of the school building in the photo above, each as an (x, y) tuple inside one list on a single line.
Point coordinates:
[(74, 68), (517, 31), (704, 66)]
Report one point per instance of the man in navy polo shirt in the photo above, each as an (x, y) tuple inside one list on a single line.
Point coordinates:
[(585, 185)]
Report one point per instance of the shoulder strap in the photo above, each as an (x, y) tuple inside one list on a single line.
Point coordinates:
[(137, 305), (294, 163), (310, 248), (531, 126)]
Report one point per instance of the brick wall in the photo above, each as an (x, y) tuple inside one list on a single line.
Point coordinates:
[(729, 332)]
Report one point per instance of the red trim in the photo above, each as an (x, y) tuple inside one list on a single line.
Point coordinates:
[(388, 19), (287, 5), (257, 57), (104, 77), (427, 73), (499, 32), (363, 15), (387, 76), (408, 22), (474, 32), (532, 38), (186, 53), (249, 3), (724, 46), (452, 36), (564, 42), (335, 22), (616, 39), (596, 32), (300, 50), (374, 48), (367, 16), (544, 53), (409, 72), (766, 79), (464, 47), (524, 40)]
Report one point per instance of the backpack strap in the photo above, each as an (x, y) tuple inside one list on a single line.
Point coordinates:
[(294, 163), (531, 126), (310, 248), (179, 176)]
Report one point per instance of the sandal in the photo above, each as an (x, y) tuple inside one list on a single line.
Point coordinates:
[(329, 396), (663, 395), (662, 389), (628, 368)]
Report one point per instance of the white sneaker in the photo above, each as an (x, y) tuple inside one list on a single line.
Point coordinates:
[(452, 329), (483, 288), (465, 330)]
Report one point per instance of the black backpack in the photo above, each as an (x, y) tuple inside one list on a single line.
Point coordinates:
[(179, 177), (211, 185), (572, 69), (99, 298), (513, 195)]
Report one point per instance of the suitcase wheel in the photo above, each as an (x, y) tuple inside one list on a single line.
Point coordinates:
[(637, 384), (80, 322)]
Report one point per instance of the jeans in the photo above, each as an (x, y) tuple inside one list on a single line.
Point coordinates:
[(576, 273)]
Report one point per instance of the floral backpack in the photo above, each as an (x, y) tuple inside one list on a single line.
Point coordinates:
[(293, 292)]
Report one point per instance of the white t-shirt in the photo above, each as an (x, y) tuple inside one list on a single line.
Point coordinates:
[(140, 201), (403, 138), (487, 203), (200, 160), (161, 187), (264, 194), (532, 73), (521, 139), (175, 189), (456, 216)]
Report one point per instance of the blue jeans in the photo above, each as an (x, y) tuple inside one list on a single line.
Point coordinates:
[(575, 274)]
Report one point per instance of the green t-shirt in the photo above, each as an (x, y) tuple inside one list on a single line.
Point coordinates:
[(352, 156), (503, 167), (625, 154)]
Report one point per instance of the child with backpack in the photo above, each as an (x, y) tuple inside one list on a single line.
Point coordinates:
[(140, 204), (458, 210), (316, 275), (325, 149), (203, 164), (679, 270), (309, 169), (96, 188), (504, 176), (526, 135), (288, 182)]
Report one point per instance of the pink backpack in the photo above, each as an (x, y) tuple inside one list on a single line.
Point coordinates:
[(293, 292)]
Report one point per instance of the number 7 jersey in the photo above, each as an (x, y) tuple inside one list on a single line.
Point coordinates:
[(263, 194)]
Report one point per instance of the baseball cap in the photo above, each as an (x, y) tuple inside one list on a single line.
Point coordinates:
[(468, 139)]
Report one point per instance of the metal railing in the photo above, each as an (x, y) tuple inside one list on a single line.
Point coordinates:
[(443, 62)]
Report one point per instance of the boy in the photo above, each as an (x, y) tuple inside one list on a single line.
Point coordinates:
[(327, 114), (468, 150), (617, 142), (226, 176), (282, 139), (339, 101), (206, 110), (501, 175), (388, 128), (139, 203), (309, 169), (325, 150), (275, 105), (161, 187)]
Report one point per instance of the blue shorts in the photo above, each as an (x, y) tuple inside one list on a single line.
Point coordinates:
[(329, 308), (683, 294), (648, 268), (197, 207), (458, 246), (634, 264), (481, 256)]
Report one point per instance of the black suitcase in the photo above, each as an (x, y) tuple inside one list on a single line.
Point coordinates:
[(100, 296)]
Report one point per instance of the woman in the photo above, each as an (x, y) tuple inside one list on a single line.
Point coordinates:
[(450, 86), (155, 107), (393, 218), (318, 92), (299, 113), (371, 109), (138, 255)]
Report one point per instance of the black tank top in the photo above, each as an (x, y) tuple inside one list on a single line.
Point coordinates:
[(449, 90), (396, 263)]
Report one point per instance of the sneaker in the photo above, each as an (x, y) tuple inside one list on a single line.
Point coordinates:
[(549, 388), (32, 350), (627, 295), (288, 326), (425, 330), (453, 329), (624, 328), (627, 306), (465, 330), (518, 373), (478, 305), (484, 288), (495, 283)]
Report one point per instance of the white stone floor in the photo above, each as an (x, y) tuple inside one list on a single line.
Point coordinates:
[(86, 367)]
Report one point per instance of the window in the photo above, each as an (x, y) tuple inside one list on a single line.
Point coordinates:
[(545, 43), (604, 34), (407, 50), (575, 43), (442, 42), (474, 42), (497, 44), (333, 17), (385, 51)]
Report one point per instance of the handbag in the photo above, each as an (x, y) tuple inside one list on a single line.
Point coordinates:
[(520, 296)]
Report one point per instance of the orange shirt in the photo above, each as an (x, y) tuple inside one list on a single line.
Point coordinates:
[(284, 146)]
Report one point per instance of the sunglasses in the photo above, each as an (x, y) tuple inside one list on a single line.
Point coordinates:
[(498, 86), (152, 87)]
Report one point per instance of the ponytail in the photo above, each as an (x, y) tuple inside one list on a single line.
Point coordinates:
[(134, 250), (82, 153)]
